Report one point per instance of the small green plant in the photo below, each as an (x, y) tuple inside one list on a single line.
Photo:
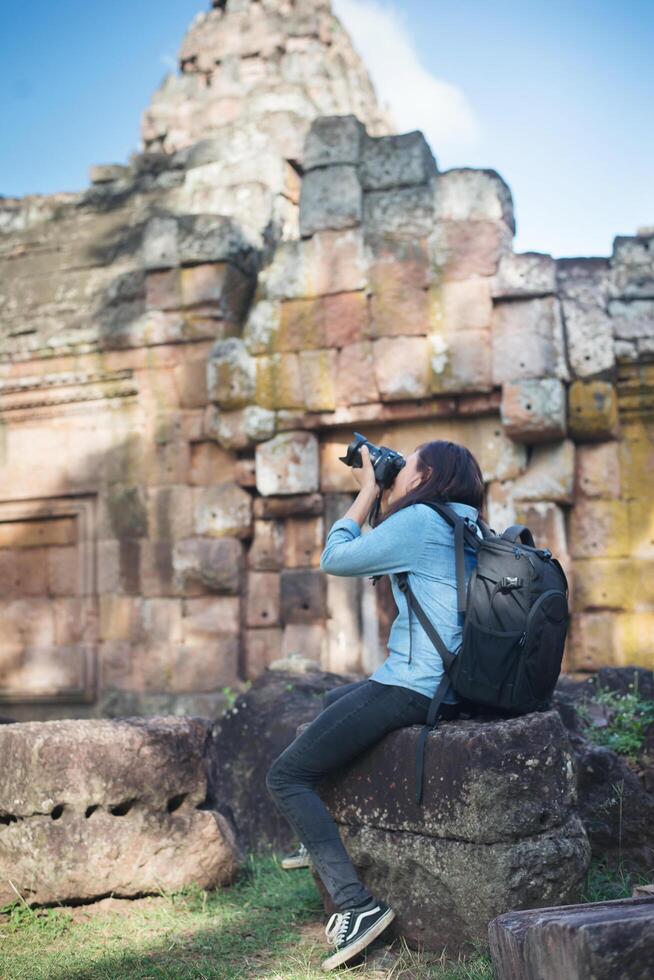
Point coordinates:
[(607, 882), (629, 717), (48, 923)]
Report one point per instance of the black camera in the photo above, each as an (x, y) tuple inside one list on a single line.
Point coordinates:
[(386, 462)]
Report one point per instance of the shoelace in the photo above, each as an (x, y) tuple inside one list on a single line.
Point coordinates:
[(336, 928)]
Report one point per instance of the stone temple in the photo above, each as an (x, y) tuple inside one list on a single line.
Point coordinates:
[(188, 344)]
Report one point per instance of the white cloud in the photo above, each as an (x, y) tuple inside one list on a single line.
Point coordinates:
[(416, 98)]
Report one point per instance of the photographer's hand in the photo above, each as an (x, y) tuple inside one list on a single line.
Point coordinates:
[(369, 489)]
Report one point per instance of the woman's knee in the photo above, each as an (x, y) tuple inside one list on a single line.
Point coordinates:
[(275, 778)]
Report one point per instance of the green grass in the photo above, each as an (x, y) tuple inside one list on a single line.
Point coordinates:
[(269, 924), (630, 716), (604, 883)]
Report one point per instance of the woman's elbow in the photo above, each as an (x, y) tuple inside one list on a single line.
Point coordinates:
[(330, 564)]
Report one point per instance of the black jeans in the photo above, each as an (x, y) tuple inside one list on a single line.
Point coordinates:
[(355, 717)]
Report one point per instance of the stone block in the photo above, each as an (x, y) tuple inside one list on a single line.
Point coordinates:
[(240, 428), (636, 457), (528, 340), (408, 314), (546, 521), (466, 194), (191, 383), (262, 326), (592, 410), (223, 511), (335, 476), (301, 325), (210, 464), (105, 173), (534, 409), (461, 361), (329, 262), (318, 372), (589, 332), (402, 367), (162, 290), (231, 375), (330, 198), (333, 140), (62, 569), (244, 473), (219, 285), (206, 617), (170, 512), (127, 792), (500, 505), (308, 640), (599, 528), (395, 161), (405, 212), (216, 564), (263, 599), (523, 275), (298, 505), (614, 583), (356, 380), (279, 381), (463, 249), (345, 319), (262, 647), (597, 470), (211, 238), (631, 273), (303, 596), (304, 539), (287, 464), (267, 551), (118, 616), (632, 319), (160, 245), (550, 475), (466, 304), (595, 939)]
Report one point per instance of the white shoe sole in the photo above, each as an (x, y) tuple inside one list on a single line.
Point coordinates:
[(289, 863), (346, 954)]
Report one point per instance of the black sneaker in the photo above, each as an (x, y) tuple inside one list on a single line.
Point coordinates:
[(300, 859), (354, 929)]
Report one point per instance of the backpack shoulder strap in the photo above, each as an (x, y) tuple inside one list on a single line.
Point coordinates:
[(518, 532), (431, 631), (463, 533)]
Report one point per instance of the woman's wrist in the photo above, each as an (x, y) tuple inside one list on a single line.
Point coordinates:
[(362, 504)]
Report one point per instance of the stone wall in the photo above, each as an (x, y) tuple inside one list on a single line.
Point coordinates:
[(186, 346)]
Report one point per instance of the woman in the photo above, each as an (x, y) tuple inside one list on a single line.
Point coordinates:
[(412, 538)]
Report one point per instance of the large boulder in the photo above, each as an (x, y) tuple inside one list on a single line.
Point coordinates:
[(249, 737), (498, 828), (99, 807)]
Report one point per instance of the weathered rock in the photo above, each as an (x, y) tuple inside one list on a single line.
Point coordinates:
[(333, 140), (240, 428), (231, 377), (224, 511), (331, 198), (528, 340), (499, 798), (216, 563), (249, 737), (464, 194), (396, 161), (592, 410), (110, 807), (602, 940), (534, 409), (524, 274), (632, 267), (582, 285), (550, 475), (288, 464)]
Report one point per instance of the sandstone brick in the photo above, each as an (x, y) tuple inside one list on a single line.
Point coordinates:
[(263, 599), (408, 314), (524, 274), (155, 572), (597, 470), (191, 383), (223, 511), (330, 198), (159, 620), (592, 410), (500, 505), (215, 564), (221, 285), (402, 367), (240, 428), (329, 262), (301, 325), (466, 194), (528, 340), (122, 512), (305, 640), (231, 375), (534, 409), (206, 617), (318, 371), (63, 570), (589, 333), (396, 161), (546, 521), (332, 140), (466, 304), (405, 212), (119, 616), (631, 274), (211, 464), (75, 620), (297, 505), (590, 643), (267, 550), (244, 473), (210, 238), (614, 583), (632, 318), (162, 290), (599, 528), (303, 596), (640, 526), (279, 382), (262, 327), (550, 475), (160, 245), (461, 361), (287, 464), (345, 318), (636, 457), (462, 249), (262, 647), (303, 542), (170, 512), (356, 380), (335, 476)]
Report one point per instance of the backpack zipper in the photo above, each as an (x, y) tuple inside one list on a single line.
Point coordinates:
[(530, 615)]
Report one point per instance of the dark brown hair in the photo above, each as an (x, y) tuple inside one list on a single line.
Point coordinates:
[(451, 473)]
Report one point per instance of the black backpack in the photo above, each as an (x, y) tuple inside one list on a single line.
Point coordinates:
[(516, 620)]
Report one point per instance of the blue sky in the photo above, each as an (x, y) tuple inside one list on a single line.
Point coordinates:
[(557, 97)]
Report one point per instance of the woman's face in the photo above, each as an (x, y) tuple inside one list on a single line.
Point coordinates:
[(407, 479)]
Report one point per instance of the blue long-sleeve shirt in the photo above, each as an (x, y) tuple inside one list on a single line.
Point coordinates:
[(419, 541)]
